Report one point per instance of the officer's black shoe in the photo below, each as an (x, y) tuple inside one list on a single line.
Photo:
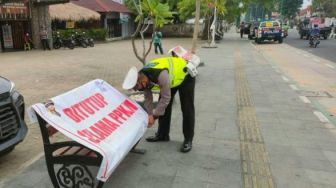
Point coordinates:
[(158, 138), (186, 146)]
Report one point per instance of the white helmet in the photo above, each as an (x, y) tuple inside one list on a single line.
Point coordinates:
[(130, 79)]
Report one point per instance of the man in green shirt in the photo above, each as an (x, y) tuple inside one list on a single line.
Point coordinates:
[(157, 35)]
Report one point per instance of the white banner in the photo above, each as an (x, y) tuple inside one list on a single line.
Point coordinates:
[(187, 55), (98, 116)]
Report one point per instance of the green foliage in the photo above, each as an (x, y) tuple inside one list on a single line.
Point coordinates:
[(158, 12), (172, 4), (233, 10), (97, 34), (130, 5), (227, 9), (289, 8), (327, 6), (186, 8)]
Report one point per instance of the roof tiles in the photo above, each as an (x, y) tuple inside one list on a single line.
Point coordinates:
[(102, 5)]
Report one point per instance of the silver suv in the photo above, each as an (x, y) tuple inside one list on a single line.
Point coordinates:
[(13, 129)]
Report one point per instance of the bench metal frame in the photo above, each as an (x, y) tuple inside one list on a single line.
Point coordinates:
[(74, 171)]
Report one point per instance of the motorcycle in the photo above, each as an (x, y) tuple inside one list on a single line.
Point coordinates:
[(79, 40), (285, 33), (59, 42), (88, 40), (314, 41)]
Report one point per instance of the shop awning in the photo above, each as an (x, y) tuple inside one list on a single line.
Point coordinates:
[(102, 5), (70, 11)]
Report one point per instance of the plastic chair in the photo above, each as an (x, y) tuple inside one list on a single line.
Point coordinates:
[(26, 46)]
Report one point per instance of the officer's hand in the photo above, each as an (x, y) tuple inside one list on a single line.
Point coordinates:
[(151, 121)]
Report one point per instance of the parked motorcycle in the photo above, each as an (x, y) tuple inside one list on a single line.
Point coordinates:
[(59, 42), (314, 41), (79, 40), (88, 40)]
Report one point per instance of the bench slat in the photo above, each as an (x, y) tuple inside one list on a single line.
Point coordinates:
[(74, 150)]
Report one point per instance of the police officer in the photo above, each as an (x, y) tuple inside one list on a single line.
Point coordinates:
[(169, 75)]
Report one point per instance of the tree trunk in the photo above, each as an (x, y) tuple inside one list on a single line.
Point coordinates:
[(206, 30), (40, 17), (196, 26), (134, 35)]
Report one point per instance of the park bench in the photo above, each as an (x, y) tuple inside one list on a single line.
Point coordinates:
[(73, 159), (70, 163)]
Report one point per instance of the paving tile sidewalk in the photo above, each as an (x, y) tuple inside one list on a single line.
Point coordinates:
[(300, 149)]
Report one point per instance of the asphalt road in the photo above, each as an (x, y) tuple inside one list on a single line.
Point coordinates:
[(326, 49)]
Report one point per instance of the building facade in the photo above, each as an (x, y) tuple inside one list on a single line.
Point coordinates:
[(24, 16), (14, 23), (115, 17)]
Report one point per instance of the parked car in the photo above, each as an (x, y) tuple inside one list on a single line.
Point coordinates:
[(269, 30), (13, 129), (253, 30)]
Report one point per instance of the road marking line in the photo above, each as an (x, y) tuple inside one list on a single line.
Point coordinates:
[(293, 87), (277, 70), (330, 66), (321, 117), (329, 126), (306, 55), (316, 60), (305, 99), (285, 79)]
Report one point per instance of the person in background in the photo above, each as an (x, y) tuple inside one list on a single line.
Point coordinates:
[(315, 31), (28, 43), (285, 29), (44, 38), (157, 36), (242, 26)]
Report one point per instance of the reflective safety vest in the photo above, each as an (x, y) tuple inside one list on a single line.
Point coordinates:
[(176, 67)]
